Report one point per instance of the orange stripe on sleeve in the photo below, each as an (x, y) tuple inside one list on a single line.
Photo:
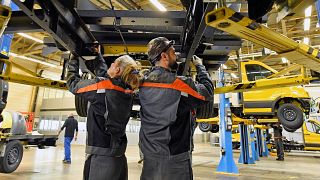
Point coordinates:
[(105, 84), (177, 85)]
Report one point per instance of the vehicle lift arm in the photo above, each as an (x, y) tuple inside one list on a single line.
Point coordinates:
[(236, 24)]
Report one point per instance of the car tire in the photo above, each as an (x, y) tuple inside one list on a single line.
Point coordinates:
[(290, 116), (235, 145), (205, 127), (215, 128), (12, 157), (288, 129)]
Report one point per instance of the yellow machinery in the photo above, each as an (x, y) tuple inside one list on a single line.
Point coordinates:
[(13, 135), (33, 78), (311, 135), (236, 24), (267, 105)]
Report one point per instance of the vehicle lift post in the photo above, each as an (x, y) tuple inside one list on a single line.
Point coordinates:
[(254, 143), (246, 154), (226, 164), (261, 142)]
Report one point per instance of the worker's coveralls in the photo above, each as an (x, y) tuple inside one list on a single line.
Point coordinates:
[(108, 114), (278, 142), (165, 135)]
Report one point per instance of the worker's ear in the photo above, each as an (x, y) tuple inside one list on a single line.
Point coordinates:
[(118, 71), (164, 56)]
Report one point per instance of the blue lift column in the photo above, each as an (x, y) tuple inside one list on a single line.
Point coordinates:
[(226, 164), (246, 154), (5, 40), (254, 143), (265, 151), (317, 4), (261, 142)]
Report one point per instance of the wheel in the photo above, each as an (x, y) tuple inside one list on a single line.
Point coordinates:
[(290, 116), (235, 145), (81, 103), (12, 157), (205, 127), (288, 129), (215, 128)]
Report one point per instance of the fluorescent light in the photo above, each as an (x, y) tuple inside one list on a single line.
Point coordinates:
[(306, 40), (234, 75), (284, 60), (317, 25), (308, 11), (158, 5), (306, 24), (224, 66), (31, 59), (30, 37)]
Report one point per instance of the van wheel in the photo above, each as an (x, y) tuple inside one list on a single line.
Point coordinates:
[(235, 145), (288, 129), (81, 103), (214, 128), (12, 157), (205, 127), (290, 116)]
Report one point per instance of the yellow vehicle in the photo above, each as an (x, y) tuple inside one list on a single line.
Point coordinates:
[(13, 135), (235, 137), (311, 135), (288, 103)]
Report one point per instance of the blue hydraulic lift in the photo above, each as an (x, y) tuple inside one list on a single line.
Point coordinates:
[(5, 40), (226, 164), (246, 145), (261, 142)]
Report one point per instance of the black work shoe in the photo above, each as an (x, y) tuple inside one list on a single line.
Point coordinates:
[(66, 162), (280, 159)]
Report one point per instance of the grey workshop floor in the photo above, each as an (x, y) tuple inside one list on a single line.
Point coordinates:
[(46, 164)]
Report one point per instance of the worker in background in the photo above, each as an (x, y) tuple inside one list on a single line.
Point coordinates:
[(278, 142), (110, 100), (71, 125), (166, 103)]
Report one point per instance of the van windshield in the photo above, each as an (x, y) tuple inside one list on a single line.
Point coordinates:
[(255, 72)]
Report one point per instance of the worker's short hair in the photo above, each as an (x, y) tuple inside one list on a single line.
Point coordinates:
[(157, 46)]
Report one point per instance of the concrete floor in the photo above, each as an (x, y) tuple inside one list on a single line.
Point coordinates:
[(46, 164)]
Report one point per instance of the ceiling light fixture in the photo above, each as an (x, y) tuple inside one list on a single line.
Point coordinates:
[(284, 60), (306, 40), (30, 37), (308, 11), (158, 5), (306, 24), (32, 59)]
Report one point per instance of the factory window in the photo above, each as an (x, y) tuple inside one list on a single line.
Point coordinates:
[(255, 72), (46, 93), (68, 94), (59, 94), (82, 119)]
